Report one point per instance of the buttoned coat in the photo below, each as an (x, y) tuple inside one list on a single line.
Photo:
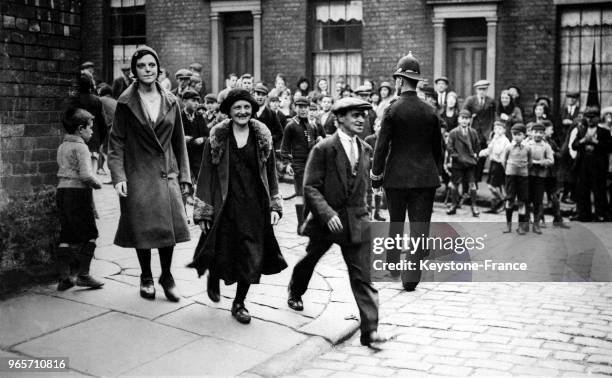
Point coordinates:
[(483, 117), (151, 157), (461, 148), (409, 147), (211, 194), (327, 189)]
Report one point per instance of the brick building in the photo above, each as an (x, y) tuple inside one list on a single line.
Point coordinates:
[(546, 47)]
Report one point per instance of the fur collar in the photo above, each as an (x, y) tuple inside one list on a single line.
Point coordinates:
[(220, 133)]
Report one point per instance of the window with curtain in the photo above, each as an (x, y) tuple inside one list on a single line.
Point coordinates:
[(586, 32), (337, 42), (128, 31)]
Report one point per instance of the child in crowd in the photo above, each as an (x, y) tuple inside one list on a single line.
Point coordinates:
[(497, 177), (463, 148), (274, 103), (516, 160), (211, 115), (541, 159), (550, 182), (78, 231)]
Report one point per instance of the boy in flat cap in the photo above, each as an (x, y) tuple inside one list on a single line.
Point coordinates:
[(196, 131), (516, 161), (463, 147), (266, 115), (482, 108), (441, 84), (299, 137), (338, 162), (542, 157)]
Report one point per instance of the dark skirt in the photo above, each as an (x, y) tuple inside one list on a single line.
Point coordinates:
[(76, 215)]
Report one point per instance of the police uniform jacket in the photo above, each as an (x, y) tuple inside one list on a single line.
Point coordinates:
[(409, 148)]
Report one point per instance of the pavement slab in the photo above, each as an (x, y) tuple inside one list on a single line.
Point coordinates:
[(21, 317), (207, 321), (99, 346)]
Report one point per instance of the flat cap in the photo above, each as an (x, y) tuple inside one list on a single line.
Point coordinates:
[(465, 113), (195, 66), (362, 89), (519, 128), (302, 100), (313, 106), (125, 67), (482, 83), (260, 88), (189, 94), (350, 103), (211, 97), (87, 64), (442, 78), (429, 91), (591, 111), (386, 84), (183, 73), (537, 127), (573, 94)]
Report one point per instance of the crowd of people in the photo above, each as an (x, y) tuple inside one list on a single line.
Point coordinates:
[(225, 152)]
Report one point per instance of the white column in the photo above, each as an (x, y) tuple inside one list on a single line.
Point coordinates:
[(214, 51), (491, 52), (439, 67), (257, 44)]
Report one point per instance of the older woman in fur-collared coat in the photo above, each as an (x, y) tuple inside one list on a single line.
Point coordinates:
[(237, 203)]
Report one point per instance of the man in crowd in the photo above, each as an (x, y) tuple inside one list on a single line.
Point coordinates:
[(298, 139), (368, 128), (441, 84), (569, 114), (482, 108), (195, 129), (266, 115), (336, 163), (121, 83), (246, 82), (196, 68), (327, 120), (230, 83), (183, 76), (407, 162)]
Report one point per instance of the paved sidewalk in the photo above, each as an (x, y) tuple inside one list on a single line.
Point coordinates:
[(112, 331)]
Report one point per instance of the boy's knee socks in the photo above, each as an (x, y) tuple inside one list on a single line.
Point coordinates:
[(84, 256)]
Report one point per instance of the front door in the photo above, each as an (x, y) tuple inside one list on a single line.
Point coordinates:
[(238, 43), (466, 56)]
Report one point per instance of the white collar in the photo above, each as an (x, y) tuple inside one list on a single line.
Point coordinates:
[(346, 137)]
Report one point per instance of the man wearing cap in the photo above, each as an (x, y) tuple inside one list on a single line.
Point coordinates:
[(482, 108), (593, 144), (246, 82), (431, 97), (121, 83), (196, 68), (299, 137), (364, 93), (334, 190), (267, 116), (441, 84), (183, 76), (407, 162), (196, 131), (568, 114), (89, 67)]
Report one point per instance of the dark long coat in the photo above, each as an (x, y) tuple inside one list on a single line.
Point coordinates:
[(212, 192), (152, 159), (408, 151)]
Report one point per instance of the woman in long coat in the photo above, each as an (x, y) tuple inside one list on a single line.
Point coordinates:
[(237, 203), (148, 159)]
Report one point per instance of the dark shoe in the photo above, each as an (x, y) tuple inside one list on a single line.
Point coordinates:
[(452, 211), (508, 228), (241, 313), (536, 229), (560, 224), (410, 286), (88, 281), (491, 211), (147, 288), (212, 288), (475, 213), (65, 284), (167, 283), (520, 230), (295, 302), (373, 339), (378, 217)]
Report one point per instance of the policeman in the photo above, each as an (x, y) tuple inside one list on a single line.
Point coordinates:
[(407, 159)]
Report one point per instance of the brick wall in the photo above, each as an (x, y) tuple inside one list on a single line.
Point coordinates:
[(526, 50), (179, 31), (41, 45), (284, 28), (392, 28), (93, 37)]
